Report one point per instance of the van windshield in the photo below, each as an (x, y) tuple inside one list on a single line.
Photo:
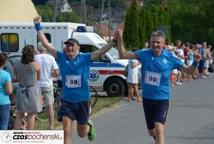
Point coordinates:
[(113, 52)]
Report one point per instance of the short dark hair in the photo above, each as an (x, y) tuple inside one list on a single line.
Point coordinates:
[(191, 46), (3, 58), (28, 53)]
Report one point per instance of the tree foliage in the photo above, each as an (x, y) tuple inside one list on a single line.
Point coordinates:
[(131, 37), (67, 17), (190, 20), (97, 3), (193, 20), (141, 22), (39, 2), (45, 11)]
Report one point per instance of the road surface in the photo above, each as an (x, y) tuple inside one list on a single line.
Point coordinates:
[(190, 119)]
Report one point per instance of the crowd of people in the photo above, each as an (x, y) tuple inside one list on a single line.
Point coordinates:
[(161, 67), (186, 52)]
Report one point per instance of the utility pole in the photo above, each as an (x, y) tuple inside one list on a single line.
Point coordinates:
[(102, 9), (55, 11), (84, 16), (109, 22), (101, 15)]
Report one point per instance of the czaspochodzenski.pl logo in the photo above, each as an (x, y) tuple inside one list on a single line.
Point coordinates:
[(35, 136)]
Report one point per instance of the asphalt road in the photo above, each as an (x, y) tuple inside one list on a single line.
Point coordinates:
[(190, 119)]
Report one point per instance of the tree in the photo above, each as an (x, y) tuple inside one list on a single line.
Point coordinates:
[(45, 11), (131, 36), (142, 27), (39, 2), (67, 17), (192, 20)]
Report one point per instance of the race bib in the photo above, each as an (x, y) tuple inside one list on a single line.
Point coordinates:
[(73, 81), (152, 78)]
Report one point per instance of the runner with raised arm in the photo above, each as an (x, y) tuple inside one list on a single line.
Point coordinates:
[(74, 69), (156, 65)]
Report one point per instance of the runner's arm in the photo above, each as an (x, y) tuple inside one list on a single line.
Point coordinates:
[(104, 49), (122, 51), (42, 37)]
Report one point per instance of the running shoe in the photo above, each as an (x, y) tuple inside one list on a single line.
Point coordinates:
[(92, 131)]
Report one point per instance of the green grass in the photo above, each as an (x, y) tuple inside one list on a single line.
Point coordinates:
[(103, 102)]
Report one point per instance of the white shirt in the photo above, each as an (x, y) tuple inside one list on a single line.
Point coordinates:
[(47, 64), (132, 72), (180, 52)]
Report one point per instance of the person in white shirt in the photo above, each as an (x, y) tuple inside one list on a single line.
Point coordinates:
[(49, 69), (180, 54), (132, 79)]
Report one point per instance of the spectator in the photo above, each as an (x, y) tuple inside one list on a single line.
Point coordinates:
[(49, 68), (202, 64), (28, 95), (146, 45), (174, 73), (132, 79), (5, 90), (180, 53)]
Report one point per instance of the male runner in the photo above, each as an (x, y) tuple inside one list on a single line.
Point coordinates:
[(156, 65), (74, 69)]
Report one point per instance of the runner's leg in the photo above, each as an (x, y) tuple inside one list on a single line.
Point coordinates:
[(159, 133), (67, 127)]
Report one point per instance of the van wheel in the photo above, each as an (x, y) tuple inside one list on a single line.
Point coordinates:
[(115, 87)]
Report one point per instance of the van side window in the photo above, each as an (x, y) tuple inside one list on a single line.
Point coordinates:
[(9, 42), (48, 36)]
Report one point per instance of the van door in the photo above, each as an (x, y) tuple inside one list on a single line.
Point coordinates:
[(106, 75), (95, 79)]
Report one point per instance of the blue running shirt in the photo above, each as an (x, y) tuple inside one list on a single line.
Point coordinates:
[(75, 75), (155, 72)]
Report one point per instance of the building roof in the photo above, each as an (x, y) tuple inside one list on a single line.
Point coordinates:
[(17, 11), (64, 7)]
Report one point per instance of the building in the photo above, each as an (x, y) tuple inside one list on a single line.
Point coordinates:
[(63, 6)]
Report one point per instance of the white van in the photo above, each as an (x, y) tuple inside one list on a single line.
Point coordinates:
[(106, 73)]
